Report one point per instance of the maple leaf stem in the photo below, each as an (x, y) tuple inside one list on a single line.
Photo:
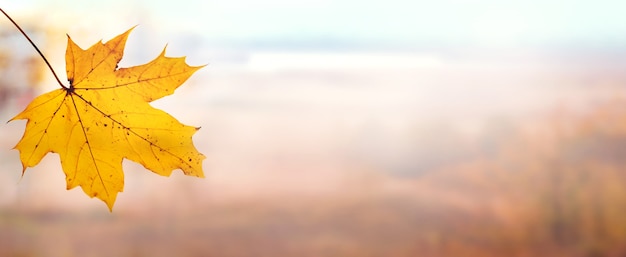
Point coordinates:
[(36, 48)]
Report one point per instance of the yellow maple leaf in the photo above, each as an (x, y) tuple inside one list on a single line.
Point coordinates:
[(104, 116)]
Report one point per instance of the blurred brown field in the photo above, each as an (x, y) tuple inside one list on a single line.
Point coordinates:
[(469, 153)]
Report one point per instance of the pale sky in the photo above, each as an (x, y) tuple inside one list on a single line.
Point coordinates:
[(402, 22)]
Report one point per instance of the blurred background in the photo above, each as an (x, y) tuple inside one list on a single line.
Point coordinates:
[(343, 128)]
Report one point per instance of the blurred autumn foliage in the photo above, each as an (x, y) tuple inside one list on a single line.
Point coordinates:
[(21, 69), (553, 187)]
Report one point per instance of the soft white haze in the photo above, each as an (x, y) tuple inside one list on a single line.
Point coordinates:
[(392, 22)]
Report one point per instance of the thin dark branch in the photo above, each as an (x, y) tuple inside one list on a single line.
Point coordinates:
[(36, 48)]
